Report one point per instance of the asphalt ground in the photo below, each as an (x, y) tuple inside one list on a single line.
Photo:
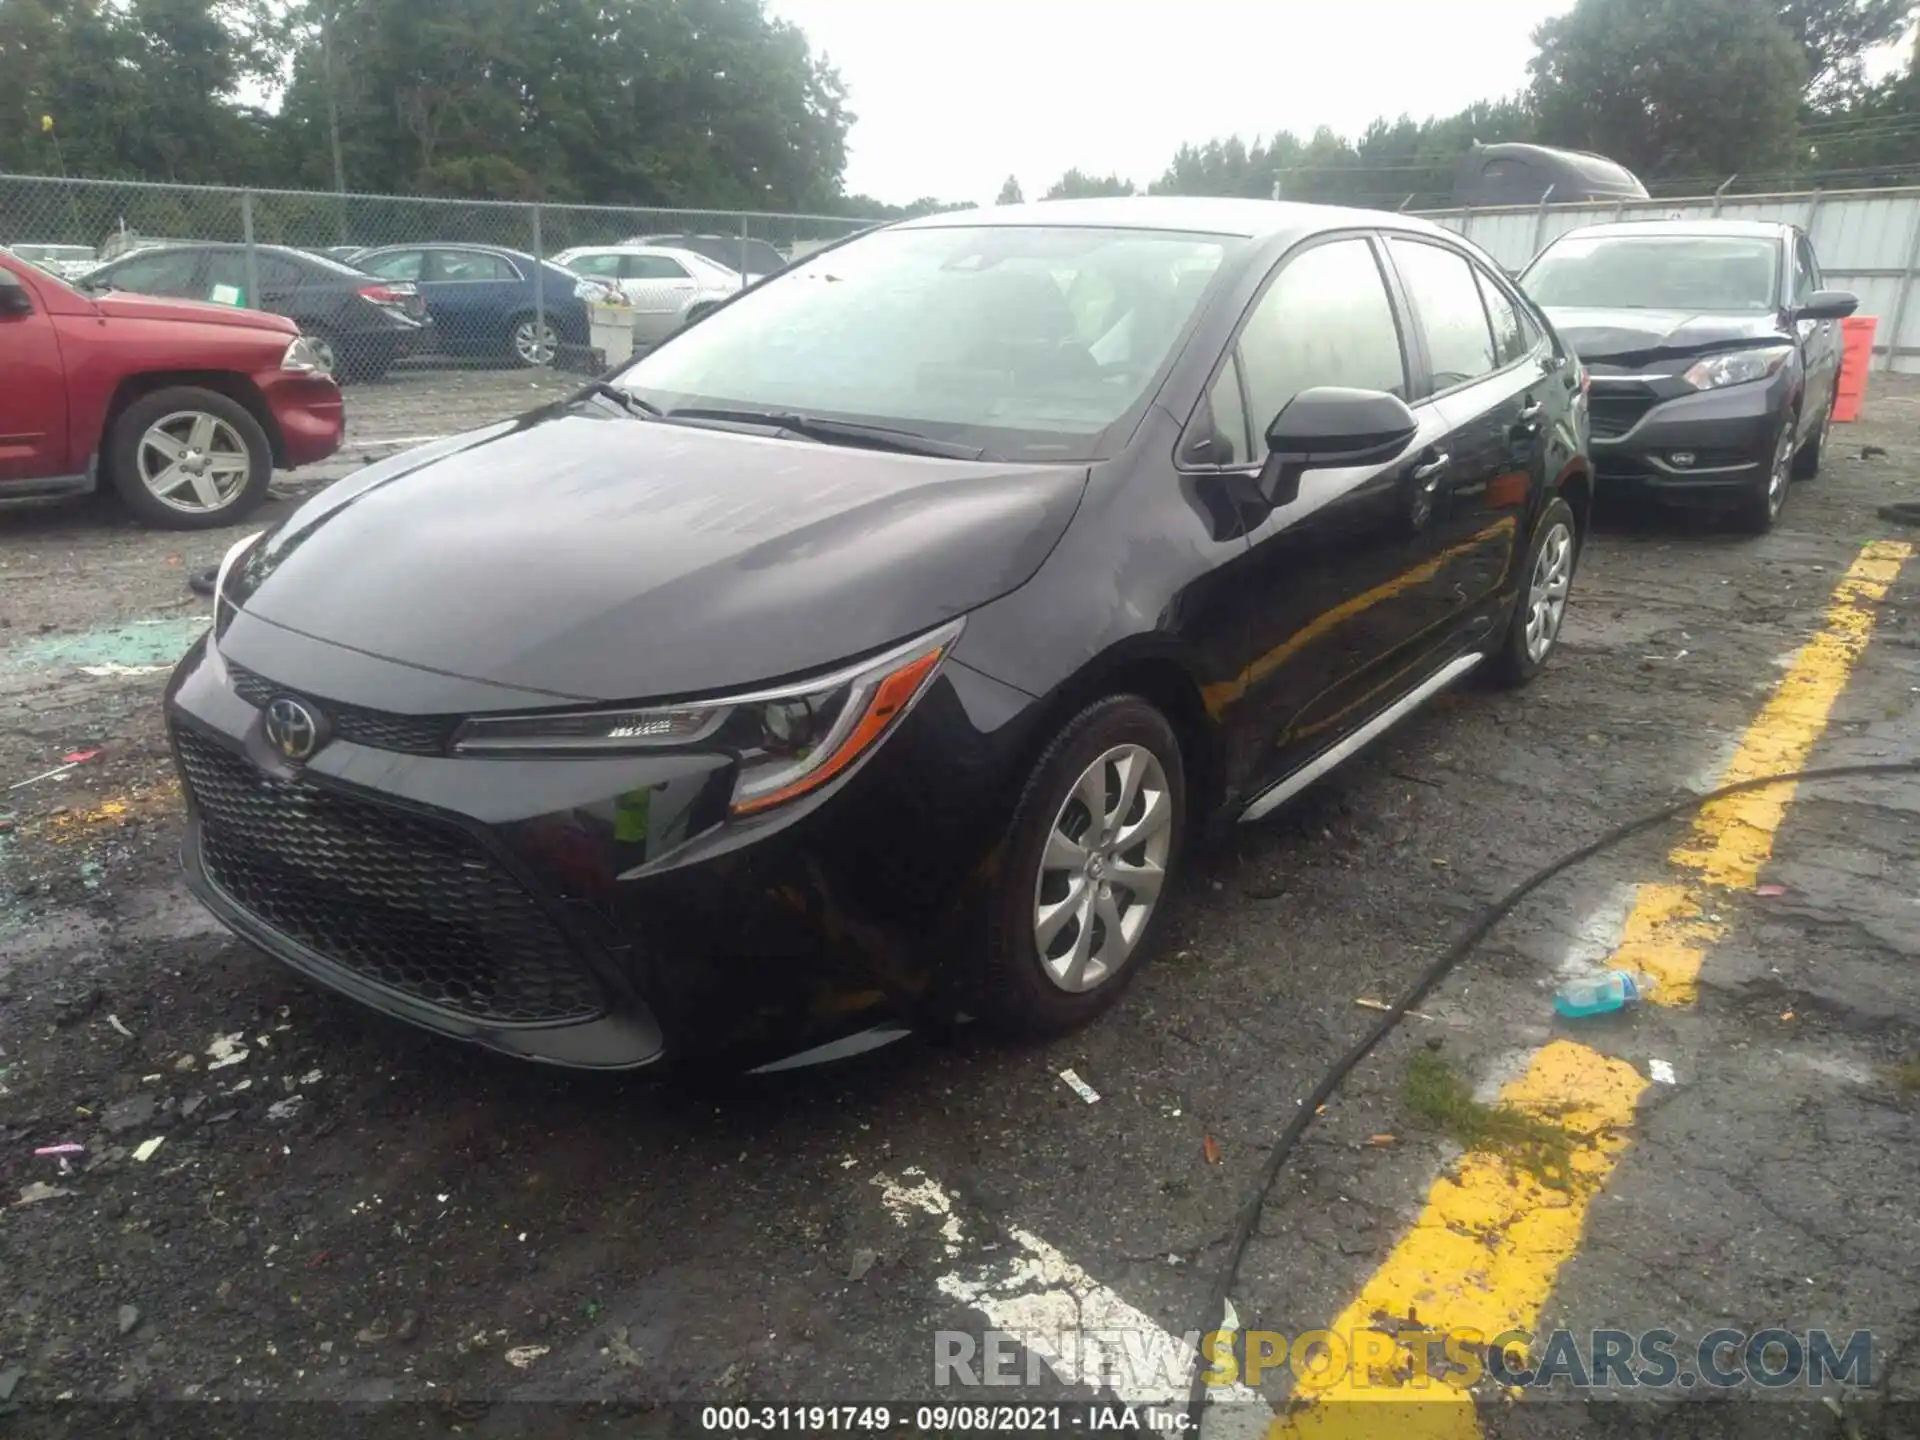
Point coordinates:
[(506, 1246)]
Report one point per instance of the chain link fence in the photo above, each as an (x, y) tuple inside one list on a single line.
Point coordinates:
[(72, 227)]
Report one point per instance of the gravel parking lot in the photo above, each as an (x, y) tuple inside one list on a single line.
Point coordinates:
[(340, 1211)]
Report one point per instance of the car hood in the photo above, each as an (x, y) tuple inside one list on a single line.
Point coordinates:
[(618, 559), (1638, 337), (124, 305)]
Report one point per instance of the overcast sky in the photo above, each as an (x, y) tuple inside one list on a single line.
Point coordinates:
[(952, 98)]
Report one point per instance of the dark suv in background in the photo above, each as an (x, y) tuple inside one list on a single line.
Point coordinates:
[(1713, 351), (359, 325)]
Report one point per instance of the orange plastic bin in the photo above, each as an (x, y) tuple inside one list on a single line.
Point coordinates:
[(1856, 359)]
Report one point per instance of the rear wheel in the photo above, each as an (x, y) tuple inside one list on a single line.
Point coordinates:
[(1761, 506), (1094, 843), (1535, 629), (189, 459), (533, 342)]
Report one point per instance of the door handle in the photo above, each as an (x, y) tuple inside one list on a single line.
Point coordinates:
[(1429, 473)]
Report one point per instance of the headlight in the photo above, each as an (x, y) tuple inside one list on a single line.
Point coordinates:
[(1737, 367), (786, 742), (302, 357)]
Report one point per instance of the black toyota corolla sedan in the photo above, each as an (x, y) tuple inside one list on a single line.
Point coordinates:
[(866, 655), (1713, 353)]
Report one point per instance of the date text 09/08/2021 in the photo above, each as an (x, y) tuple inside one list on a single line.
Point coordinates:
[(938, 1419)]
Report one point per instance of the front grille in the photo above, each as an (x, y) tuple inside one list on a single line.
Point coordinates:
[(408, 902), (380, 729), (1610, 416)]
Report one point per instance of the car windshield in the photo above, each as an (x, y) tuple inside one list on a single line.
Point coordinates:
[(1657, 272), (1016, 340)]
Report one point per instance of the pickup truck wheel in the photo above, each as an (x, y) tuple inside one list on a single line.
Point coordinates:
[(189, 459)]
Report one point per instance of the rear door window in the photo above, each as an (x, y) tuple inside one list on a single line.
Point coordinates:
[(471, 265), (397, 265), (1441, 285), (1510, 336), (167, 272), (654, 267), (605, 267)]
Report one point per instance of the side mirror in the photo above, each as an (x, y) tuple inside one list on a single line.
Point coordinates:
[(1327, 427), (14, 299), (1827, 305)]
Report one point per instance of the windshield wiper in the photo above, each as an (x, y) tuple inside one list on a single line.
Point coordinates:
[(625, 399), (837, 432)]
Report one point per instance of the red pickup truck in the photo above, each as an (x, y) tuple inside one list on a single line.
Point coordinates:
[(184, 408)]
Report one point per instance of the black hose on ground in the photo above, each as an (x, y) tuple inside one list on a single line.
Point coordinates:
[(1901, 512), (1249, 1217)]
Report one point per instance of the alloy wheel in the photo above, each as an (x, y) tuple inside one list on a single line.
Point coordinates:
[(1547, 591), (1103, 868), (535, 344), (193, 462), (1781, 474)]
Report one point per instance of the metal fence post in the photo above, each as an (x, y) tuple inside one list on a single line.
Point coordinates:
[(1723, 190), (253, 255), (1813, 209), (540, 288), (1540, 222), (744, 237), (1906, 284)]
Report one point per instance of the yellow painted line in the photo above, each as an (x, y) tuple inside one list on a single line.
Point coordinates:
[(1488, 1246), (117, 810)]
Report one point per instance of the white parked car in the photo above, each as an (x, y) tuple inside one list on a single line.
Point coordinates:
[(667, 288)]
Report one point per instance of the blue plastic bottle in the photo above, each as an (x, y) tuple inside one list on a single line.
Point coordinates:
[(1601, 994)]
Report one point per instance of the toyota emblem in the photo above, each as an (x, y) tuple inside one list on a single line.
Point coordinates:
[(292, 729)]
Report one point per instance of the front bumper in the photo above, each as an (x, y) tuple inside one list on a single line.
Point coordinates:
[(1645, 433), (597, 913), (310, 415)]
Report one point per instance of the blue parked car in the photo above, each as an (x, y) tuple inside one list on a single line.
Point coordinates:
[(481, 299)]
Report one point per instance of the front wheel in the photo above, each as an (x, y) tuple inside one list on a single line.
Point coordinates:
[(189, 459), (1806, 464), (1535, 628), (1094, 844), (1760, 507)]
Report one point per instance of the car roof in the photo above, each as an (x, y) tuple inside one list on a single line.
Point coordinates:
[(1192, 214), (1690, 229)]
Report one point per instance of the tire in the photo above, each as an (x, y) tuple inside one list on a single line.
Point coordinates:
[(529, 345), (1760, 507), (158, 432), (696, 313), (1806, 461), (1534, 632), (1093, 960)]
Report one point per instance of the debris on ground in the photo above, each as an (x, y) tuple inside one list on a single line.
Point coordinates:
[(286, 1109), (129, 1318), (68, 1147), (1367, 1003), (145, 1150), (225, 1050), (1381, 1139), (522, 1356), (1210, 1148), (39, 1190), (1661, 1072), (136, 1112), (1080, 1087), (1769, 890), (863, 1261), (114, 1021)]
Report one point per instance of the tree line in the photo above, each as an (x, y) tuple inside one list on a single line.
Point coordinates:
[(1688, 94), (717, 104)]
